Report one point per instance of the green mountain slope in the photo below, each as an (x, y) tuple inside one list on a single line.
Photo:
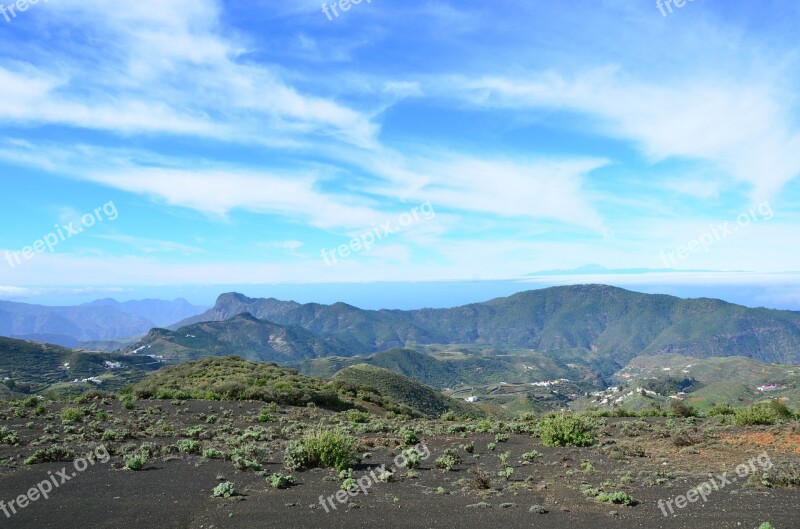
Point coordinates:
[(419, 397), (442, 367), (35, 367), (244, 336), (607, 326)]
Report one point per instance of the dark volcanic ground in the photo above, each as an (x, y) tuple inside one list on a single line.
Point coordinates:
[(174, 489)]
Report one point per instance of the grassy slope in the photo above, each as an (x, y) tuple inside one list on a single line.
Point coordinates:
[(41, 365), (419, 397)]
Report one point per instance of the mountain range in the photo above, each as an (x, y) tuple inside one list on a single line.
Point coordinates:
[(104, 320), (606, 326)]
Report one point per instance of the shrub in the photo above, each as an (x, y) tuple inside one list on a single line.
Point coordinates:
[(617, 498), (412, 458), (264, 416), (358, 417), (566, 430), (224, 490), (72, 414), (678, 408), (280, 481), (212, 453), (189, 446), (409, 437), (8, 437), (449, 460), (321, 448), (530, 456), (721, 410), (136, 462), (757, 414), (54, 454)]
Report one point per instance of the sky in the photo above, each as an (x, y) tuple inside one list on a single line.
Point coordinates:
[(192, 147)]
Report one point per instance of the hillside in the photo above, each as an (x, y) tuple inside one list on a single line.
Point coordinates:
[(606, 325), (449, 367), (243, 336), (402, 389), (234, 378), (34, 367)]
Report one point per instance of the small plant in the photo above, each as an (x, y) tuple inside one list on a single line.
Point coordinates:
[(54, 454), (189, 446), (504, 459), (617, 498), (530, 456), (409, 437), (386, 476), (449, 460), (412, 458), (281, 481), (72, 414), (321, 448), (566, 430), (766, 525), (501, 437), (349, 483), (358, 417), (136, 462), (482, 480), (8, 437), (224, 490), (506, 473), (212, 453), (264, 416), (491, 447)]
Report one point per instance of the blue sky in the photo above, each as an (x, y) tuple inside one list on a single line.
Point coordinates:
[(238, 140)]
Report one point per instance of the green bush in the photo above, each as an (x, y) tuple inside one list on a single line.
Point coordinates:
[(617, 498), (136, 462), (323, 449), (566, 430), (412, 458), (757, 414), (54, 454), (72, 414), (224, 490), (212, 453), (189, 446), (721, 409), (678, 408), (8, 437), (448, 460), (281, 481)]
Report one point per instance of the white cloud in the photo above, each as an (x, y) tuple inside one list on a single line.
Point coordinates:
[(165, 69), (742, 126)]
